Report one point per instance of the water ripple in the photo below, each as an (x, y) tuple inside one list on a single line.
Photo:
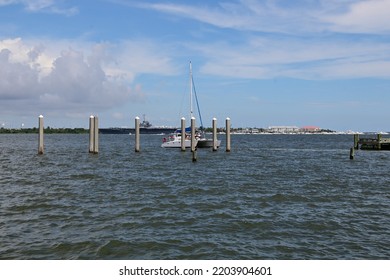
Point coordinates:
[(272, 197)]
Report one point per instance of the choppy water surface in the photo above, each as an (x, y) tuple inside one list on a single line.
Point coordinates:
[(271, 197)]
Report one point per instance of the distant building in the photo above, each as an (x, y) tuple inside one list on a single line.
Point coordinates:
[(283, 129), (310, 129)]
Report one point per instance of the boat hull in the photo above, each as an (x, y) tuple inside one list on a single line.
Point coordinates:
[(207, 143), (177, 144)]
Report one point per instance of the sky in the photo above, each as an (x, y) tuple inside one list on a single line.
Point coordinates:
[(261, 63)]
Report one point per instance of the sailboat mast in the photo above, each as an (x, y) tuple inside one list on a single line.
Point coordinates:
[(191, 109)]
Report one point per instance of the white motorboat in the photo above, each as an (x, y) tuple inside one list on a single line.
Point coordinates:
[(174, 141)]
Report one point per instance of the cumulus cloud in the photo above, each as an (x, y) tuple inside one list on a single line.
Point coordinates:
[(17, 80), (72, 81), (75, 80)]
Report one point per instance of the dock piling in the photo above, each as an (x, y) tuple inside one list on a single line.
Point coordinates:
[(227, 134), (183, 134), (194, 156), (91, 133), (96, 135), (352, 153), (356, 141), (379, 138), (215, 144), (193, 144), (137, 138), (40, 137)]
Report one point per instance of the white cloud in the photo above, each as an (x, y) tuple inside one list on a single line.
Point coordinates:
[(318, 59), (287, 17), (225, 15), (362, 17), (250, 15), (77, 80), (55, 77), (46, 6), (17, 80), (302, 38)]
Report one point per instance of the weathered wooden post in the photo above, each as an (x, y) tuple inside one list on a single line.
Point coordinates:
[(95, 135), (227, 134), (215, 140), (137, 138), (40, 137), (352, 153), (193, 143), (91, 133), (183, 134), (356, 141), (379, 138)]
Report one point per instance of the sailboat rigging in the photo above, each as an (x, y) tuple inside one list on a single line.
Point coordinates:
[(174, 140)]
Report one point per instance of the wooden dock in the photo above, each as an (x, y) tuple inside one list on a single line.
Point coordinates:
[(378, 143)]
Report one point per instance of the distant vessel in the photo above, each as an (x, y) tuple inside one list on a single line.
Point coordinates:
[(145, 128)]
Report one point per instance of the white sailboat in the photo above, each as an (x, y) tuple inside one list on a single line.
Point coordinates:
[(174, 140)]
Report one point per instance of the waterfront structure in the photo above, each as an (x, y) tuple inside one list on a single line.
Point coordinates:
[(310, 129), (283, 129), (377, 143)]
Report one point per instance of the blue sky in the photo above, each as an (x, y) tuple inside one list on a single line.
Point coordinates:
[(260, 62)]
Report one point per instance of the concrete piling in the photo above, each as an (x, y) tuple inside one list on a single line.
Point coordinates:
[(96, 136), (183, 134), (40, 137), (193, 143), (137, 137), (215, 144), (227, 134), (93, 135)]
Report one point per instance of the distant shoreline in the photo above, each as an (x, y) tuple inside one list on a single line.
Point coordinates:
[(239, 131), (47, 130)]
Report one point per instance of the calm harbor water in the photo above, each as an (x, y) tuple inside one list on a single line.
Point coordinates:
[(271, 197)]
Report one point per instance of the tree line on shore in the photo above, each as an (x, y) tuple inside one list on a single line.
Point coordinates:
[(47, 130)]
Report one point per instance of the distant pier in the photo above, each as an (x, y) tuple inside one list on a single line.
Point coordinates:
[(377, 143)]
